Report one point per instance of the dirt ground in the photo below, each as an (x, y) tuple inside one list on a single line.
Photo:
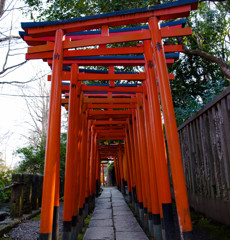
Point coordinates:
[(29, 229)]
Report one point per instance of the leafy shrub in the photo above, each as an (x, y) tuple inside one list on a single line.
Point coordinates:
[(5, 180)]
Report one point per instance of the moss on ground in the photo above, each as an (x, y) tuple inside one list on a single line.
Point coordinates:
[(36, 217), (86, 225), (214, 229)]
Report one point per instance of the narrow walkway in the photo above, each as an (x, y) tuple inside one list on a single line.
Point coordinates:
[(112, 219)]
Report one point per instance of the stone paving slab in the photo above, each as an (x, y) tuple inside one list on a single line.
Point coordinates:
[(103, 200), (120, 219), (106, 210), (123, 213), (102, 233), (104, 205), (127, 226), (99, 204), (119, 204), (123, 207), (102, 216), (101, 223), (131, 236), (106, 195), (118, 200)]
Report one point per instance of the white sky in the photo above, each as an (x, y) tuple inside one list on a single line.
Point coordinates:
[(14, 114)]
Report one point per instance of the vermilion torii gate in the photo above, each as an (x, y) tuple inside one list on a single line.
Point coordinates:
[(127, 112)]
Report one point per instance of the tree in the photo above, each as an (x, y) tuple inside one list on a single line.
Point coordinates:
[(37, 104), (62, 9), (203, 72)]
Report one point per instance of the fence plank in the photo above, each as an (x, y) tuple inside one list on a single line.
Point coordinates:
[(205, 148)]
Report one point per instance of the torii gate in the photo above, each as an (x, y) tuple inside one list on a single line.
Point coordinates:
[(126, 112)]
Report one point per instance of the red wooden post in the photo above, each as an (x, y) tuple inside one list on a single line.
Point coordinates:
[(71, 177), (154, 216), (81, 158), (142, 168), (120, 160), (171, 131), (116, 171), (53, 141), (103, 175), (140, 182), (132, 161), (129, 163), (144, 156), (91, 164), (87, 191), (128, 171), (55, 230), (95, 161), (160, 157), (84, 157)]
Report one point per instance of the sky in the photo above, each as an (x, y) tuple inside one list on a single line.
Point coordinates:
[(15, 120)]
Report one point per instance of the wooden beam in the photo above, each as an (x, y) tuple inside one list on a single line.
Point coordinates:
[(113, 106)]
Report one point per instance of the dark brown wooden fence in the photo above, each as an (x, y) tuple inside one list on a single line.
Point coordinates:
[(26, 195), (205, 147)]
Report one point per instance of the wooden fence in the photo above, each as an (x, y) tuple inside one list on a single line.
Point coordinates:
[(26, 195), (205, 147)]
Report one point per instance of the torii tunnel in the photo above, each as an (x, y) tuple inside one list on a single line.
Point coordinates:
[(111, 110)]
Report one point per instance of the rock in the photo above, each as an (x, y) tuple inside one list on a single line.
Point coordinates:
[(3, 215)]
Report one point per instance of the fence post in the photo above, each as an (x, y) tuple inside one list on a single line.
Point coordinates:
[(16, 196), (35, 192), (27, 193)]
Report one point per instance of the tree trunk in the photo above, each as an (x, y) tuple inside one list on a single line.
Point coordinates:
[(2, 6)]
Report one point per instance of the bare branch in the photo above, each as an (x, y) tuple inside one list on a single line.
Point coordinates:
[(9, 38), (219, 61), (24, 96), (8, 68)]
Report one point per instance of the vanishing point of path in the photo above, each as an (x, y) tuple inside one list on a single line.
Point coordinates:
[(112, 219)]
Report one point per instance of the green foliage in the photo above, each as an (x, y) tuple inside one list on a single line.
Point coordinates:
[(197, 80), (192, 88), (86, 225), (5, 180), (111, 166), (33, 157), (63, 9), (62, 156), (211, 24)]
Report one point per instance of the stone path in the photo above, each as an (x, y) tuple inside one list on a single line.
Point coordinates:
[(112, 219)]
